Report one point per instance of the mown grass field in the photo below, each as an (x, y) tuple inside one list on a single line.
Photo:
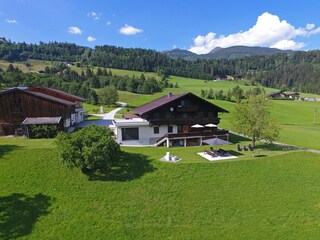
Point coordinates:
[(275, 196)]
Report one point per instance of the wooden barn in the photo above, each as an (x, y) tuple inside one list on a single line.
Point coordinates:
[(78, 101), (17, 104)]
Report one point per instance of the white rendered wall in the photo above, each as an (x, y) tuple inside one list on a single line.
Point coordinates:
[(146, 132)]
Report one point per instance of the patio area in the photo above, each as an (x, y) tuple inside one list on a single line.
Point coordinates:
[(216, 158)]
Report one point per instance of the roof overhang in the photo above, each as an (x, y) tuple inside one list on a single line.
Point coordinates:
[(42, 121), (136, 122)]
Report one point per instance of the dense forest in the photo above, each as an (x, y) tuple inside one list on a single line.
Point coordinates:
[(299, 71), (60, 76)]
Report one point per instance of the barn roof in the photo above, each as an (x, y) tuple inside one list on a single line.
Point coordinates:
[(52, 90), (40, 95)]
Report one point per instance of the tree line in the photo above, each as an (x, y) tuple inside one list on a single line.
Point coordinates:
[(299, 71), (60, 76)]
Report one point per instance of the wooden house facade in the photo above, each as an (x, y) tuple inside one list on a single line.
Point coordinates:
[(78, 116), (16, 105), (285, 95)]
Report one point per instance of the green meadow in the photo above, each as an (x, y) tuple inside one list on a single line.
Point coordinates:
[(273, 196), (296, 118), (271, 193)]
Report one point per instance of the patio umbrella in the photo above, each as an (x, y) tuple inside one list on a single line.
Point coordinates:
[(197, 126), (211, 125), (216, 141)]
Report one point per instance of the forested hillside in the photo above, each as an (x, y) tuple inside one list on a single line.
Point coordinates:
[(299, 71)]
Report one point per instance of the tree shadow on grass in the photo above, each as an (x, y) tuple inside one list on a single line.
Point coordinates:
[(235, 153), (4, 149), (274, 147), (237, 139), (130, 166), (19, 213)]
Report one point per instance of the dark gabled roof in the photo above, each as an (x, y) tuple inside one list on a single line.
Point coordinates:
[(40, 95), (41, 120), (167, 99), (157, 103), (129, 116), (34, 89)]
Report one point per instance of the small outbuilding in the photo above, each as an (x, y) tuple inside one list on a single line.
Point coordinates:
[(30, 122)]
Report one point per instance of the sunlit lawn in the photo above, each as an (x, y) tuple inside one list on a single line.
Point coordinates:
[(274, 196), (295, 117)]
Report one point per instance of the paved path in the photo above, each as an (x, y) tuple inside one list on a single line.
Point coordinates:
[(110, 115), (106, 117)]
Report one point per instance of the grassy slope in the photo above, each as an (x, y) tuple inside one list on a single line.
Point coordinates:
[(296, 117), (263, 198)]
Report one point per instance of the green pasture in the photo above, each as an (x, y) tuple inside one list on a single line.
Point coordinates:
[(90, 109), (35, 65), (296, 117), (274, 196)]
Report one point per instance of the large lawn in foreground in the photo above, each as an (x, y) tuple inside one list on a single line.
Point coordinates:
[(271, 197)]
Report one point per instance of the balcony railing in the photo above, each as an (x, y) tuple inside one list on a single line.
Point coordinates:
[(184, 121), (207, 134)]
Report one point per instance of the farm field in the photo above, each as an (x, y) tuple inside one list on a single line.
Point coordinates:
[(275, 196)]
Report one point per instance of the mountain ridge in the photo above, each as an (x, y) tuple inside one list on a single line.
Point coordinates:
[(228, 53)]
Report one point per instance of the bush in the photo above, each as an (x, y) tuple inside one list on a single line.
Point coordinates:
[(43, 131), (89, 149)]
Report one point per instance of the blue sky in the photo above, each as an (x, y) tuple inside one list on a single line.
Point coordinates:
[(194, 25)]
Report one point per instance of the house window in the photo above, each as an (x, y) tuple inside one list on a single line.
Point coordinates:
[(170, 129), (130, 134), (156, 130)]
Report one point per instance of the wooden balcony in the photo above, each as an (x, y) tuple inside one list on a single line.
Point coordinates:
[(208, 134), (184, 121), (197, 134)]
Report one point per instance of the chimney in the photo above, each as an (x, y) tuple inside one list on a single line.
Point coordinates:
[(169, 94)]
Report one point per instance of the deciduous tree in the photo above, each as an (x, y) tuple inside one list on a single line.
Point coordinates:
[(252, 118), (109, 95)]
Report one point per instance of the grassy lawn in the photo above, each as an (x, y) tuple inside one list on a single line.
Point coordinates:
[(296, 117), (275, 196), (96, 109)]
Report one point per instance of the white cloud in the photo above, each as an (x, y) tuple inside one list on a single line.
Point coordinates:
[(74, 30), (11, 21), (129, 30), (174, 46), (269, 31), (94, 15), (288, 44), (91, 39), (108, 23)]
